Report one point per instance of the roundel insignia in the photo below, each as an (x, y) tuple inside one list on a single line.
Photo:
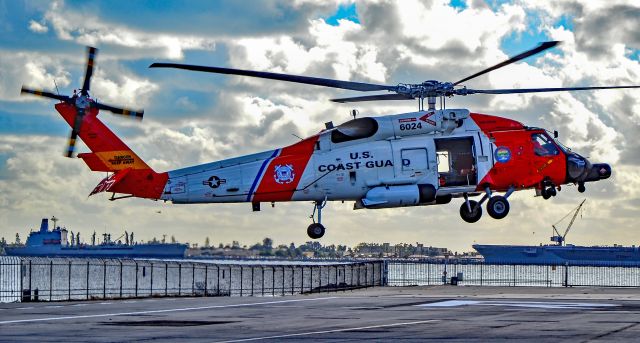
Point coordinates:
[(502, 154), (283, 173)]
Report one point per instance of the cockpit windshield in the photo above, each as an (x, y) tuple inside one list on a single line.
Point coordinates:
[(543, 145), (354, 129)]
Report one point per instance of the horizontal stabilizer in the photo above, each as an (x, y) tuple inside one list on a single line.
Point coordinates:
[(110, 182)]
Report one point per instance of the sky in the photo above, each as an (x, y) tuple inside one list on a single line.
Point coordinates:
[(193, 118)]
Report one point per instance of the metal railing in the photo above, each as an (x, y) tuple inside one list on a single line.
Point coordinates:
[(418, 273), (51, 279)]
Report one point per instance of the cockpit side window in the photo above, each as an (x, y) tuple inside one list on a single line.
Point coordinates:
[(354, 129), (543, 145)]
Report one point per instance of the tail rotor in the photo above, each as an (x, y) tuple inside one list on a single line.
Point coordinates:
[(83, 102)]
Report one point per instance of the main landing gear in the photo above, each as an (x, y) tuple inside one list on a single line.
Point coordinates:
[(316, 230), (497, 206)]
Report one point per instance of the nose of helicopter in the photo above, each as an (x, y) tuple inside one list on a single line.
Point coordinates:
[(580, 170), (599, 171)]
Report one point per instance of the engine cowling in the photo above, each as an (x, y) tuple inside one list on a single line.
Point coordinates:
[(399, 196)]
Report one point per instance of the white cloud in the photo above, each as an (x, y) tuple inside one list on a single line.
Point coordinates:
[(38, 27)]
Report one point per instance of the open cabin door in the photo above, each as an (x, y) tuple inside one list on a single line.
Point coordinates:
[(457, 165)]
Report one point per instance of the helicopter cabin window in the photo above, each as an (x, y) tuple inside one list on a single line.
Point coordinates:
[(443, 161), (543, 145), (354, 129)]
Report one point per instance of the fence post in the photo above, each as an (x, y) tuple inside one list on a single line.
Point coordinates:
[(136, 279), (218, 282), (206, 279), (241, 279), (104, 279), (30, 291), (120, 278), (566, 274), (21, 295), (69, 282), (88, 266), (302, 281), (151, 281), (293, 280), (50, 279), (283, 280), (262, 269), (179, 279), (193, 279), (166, 279), (366, 274), (273, 281)]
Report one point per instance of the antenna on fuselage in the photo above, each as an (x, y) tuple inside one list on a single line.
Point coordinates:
[(354, 113)]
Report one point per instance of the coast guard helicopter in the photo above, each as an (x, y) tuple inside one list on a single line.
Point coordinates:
[(427, 157)]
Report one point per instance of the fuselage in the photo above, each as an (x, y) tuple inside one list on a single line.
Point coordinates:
[(417, 158)]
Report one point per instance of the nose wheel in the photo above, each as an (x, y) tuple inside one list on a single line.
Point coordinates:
[(316, 230)]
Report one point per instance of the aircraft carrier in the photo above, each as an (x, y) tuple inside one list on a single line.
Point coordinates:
[(57, 243)]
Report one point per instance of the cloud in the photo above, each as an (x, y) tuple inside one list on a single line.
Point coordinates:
[(37, 27)]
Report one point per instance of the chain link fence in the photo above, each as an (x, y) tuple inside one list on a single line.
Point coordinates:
[(54, 279), (418, 273)]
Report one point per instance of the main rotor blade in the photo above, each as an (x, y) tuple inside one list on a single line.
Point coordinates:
[(45, 94), (91, 55), (464, 91), (540, 48), (121, 111), (373, 98), (356, 86)]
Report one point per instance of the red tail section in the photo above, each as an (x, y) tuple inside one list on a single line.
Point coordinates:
[(109, 154)]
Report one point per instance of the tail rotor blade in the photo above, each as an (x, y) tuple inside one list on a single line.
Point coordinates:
[(91, 55), (45, 94), (121, 111), (72, 144)]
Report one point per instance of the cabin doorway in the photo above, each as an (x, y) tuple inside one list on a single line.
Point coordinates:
[(456, 162)]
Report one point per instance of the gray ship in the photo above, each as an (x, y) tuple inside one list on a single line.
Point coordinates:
[(58, 243), (561, 253)]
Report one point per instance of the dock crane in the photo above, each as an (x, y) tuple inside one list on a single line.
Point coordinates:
[(557, 237)]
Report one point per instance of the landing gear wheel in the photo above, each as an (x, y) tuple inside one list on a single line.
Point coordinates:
[(545, 194), (315, 230), (474, 215), (581, 187), (498, 207)]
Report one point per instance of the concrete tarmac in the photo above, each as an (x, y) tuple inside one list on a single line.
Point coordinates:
[(407, 314)]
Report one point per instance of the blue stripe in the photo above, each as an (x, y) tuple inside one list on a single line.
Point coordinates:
[(264, 165)]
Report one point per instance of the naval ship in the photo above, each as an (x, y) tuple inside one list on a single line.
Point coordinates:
[(58, 243), (561, 253)]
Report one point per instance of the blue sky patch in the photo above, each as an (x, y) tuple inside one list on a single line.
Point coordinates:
[(633, 54), (531, 37), (458, 4), (347, 12), (565, 21)]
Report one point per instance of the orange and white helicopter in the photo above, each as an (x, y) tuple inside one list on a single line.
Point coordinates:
[(419, 158)]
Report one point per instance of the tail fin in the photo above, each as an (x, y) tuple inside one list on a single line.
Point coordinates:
[(110, 154)]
